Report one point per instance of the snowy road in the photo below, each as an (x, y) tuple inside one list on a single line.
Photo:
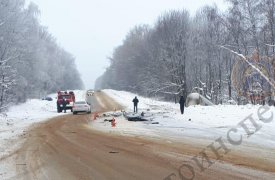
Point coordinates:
[(68, 147)]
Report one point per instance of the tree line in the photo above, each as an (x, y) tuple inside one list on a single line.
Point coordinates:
[(32, 64), (180, 53)]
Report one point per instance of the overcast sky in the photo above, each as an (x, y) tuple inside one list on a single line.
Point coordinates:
[(91, 29)]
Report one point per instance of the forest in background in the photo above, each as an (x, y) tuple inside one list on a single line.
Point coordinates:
[(32, 64), (181, 53)]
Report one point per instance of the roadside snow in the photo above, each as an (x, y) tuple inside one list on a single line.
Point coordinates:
[(200, 122), (17, 120)]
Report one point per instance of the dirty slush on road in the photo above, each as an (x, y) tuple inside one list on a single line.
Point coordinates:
[(66, 148)]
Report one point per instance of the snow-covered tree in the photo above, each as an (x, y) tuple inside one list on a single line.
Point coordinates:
[(181, 54), (31, 62)]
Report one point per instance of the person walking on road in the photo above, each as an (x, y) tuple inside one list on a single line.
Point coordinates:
[(64, 104), (182, 102), (135, 101)]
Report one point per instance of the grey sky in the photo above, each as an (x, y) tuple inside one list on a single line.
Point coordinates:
[(91, 29)]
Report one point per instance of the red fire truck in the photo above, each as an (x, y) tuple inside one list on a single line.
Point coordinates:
[(69, 98)]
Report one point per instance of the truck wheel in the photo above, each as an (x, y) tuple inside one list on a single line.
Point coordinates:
[(74, 113)]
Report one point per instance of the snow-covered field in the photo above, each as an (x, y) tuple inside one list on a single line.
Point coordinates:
[(19, 118), (200, 122)]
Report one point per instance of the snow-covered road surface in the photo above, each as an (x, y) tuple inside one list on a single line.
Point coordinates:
[(17, 120), (72, 147)]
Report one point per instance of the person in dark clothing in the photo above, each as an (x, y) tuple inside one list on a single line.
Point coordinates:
[(64, 104), (182, 102), (135, 101)]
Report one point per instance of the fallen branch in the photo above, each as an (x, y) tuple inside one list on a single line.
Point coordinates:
[(270, 45)]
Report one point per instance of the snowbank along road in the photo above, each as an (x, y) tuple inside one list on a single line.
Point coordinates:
[(67, 148)]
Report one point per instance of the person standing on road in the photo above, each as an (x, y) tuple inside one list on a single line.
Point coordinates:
[(182, 102), (64, 104), (135, 101)]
